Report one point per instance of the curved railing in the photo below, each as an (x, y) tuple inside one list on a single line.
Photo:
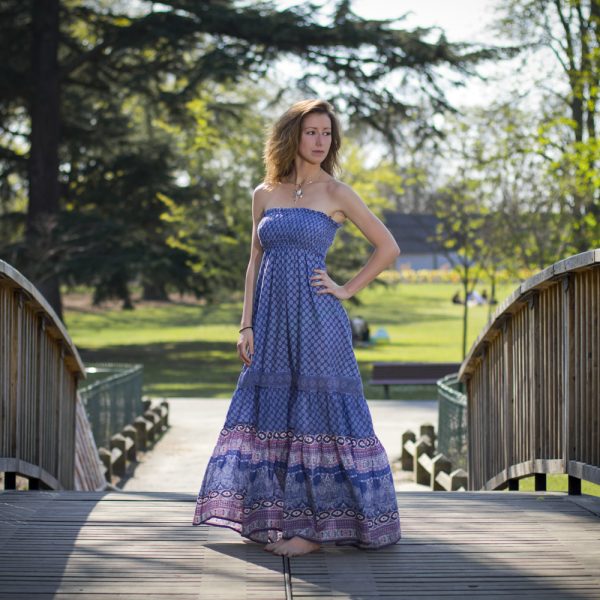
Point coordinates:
[(39, 372), (533, 381)]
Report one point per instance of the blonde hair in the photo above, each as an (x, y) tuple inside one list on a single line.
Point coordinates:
[(282, 142)]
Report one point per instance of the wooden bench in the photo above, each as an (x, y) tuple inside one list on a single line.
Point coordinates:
[(409, 373)]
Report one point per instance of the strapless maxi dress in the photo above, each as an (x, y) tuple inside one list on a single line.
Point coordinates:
[(297, 455)]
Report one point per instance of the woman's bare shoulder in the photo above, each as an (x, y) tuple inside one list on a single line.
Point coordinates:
[(260, 197), (337, 188), (341, 193)]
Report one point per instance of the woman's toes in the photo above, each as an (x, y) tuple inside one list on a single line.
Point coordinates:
[(273, 545), (296, 546)]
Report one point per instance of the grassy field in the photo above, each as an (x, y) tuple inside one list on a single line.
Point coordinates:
[(189, 350), (558, 483)]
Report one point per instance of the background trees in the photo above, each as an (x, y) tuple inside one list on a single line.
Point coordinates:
[(113, 162), (568, 34), (130, 139)]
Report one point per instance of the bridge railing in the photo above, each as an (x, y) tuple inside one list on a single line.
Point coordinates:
[(39, 372), (533, 381), (113, 400)]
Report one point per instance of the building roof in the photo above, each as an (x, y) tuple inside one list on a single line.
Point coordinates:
[(411, 231)]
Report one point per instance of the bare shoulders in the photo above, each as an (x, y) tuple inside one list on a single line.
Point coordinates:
[(259, 197), (260, 190), (341, 196), (339, 190)]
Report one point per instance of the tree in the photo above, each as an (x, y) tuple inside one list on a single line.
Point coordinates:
[(109, 56), (44, 101), (570, 31), (459, 235)]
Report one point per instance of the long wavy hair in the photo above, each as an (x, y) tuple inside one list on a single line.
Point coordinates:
[(281, 146)]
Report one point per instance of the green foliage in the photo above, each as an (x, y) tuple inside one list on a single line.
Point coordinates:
[(569, 32)]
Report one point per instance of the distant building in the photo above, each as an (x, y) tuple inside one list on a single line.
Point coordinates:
[(412, 232)]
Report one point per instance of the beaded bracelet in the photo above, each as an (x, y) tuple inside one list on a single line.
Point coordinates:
[(247, 327)]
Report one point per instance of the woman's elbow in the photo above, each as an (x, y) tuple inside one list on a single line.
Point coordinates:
[(390, 251), (394, 249), (389, 248)]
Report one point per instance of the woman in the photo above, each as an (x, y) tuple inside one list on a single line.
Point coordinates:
[(297, 463)]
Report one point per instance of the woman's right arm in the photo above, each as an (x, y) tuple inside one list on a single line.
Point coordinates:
[(246, 341)]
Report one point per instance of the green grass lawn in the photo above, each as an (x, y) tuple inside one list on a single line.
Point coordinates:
[(190, 350), (558, 483)]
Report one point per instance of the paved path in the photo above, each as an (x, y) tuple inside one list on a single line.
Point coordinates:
[(178, 461)]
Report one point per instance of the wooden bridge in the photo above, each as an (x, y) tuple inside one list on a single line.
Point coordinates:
[(455, 544), (533, 386)]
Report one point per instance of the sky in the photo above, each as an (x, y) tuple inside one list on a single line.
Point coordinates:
[(462, 21)]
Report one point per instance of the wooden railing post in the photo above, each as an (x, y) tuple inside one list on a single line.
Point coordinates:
[(471, 485), (534, 377), (569, 433), (439, 464), (509, 402), (406, 457), (16, 346), (423, 446), (485, 399)]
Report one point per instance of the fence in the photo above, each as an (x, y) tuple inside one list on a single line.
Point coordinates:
[(114, 400), (39, 373), (452, 433), (533, 381)]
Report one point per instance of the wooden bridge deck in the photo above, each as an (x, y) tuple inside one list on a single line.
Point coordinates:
[(142, 545)]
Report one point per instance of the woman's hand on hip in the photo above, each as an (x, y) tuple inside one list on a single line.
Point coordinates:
[(327, 285)]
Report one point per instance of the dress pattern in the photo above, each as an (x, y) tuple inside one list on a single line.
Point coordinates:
[(297, 455)]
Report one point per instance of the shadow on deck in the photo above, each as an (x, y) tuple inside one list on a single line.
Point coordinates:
[(142, 545)]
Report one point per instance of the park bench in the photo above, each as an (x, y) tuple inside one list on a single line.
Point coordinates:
[(409, 373)]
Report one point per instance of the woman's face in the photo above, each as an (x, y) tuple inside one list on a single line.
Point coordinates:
[(315, 138)]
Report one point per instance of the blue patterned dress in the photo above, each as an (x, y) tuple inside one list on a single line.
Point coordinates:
[(297, 455)]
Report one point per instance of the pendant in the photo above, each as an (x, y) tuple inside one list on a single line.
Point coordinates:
[(298, 193)]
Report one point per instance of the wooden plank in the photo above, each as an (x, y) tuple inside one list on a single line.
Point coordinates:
[(134, 545), (131, 545), (490, 544)]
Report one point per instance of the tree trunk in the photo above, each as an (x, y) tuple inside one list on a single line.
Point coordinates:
[(465, 316), (44, 191), (154, 291), (492, 297)]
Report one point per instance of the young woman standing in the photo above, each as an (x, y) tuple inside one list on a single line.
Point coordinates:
[(297, 463)]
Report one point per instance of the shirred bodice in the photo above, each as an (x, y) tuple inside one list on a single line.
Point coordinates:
[(314, 234)]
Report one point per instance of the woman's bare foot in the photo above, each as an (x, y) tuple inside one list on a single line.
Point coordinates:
[(296, 546), (273, 545)]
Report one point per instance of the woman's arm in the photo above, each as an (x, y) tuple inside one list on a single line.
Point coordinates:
[(386, 248), (256, 252)]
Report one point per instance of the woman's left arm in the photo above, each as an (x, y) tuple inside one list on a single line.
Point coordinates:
[(386, 248)]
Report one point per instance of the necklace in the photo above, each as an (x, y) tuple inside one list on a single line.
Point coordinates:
[(298, 193)]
